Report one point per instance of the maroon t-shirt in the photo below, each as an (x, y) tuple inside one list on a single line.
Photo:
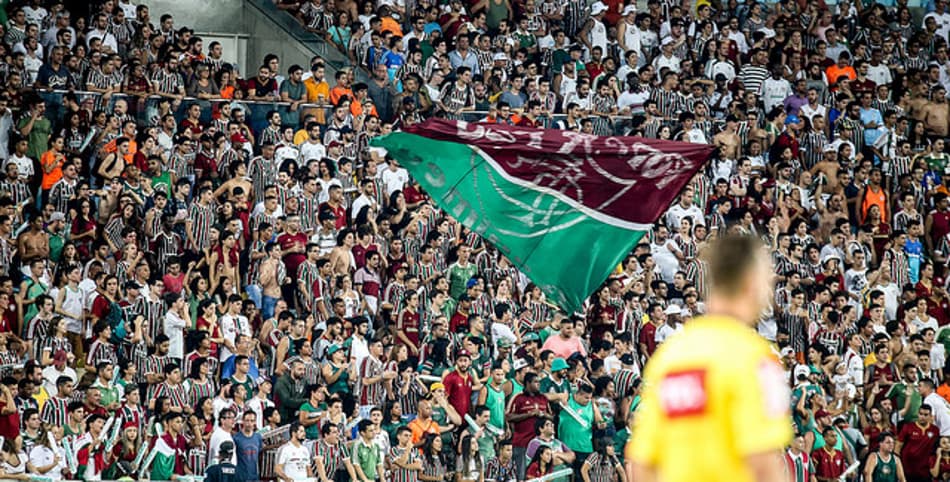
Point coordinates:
[(292, 260), (828, 465), (918, 445), (523, 431), (648, 337), (9, 424), (458, 390)]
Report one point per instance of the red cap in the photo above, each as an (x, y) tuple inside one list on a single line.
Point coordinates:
[(60, 356), (822, 413), (238, 137)]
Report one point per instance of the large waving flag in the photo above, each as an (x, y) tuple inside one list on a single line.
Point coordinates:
[(564, 207)]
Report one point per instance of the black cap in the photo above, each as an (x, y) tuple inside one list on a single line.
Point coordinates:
[(225, 450)]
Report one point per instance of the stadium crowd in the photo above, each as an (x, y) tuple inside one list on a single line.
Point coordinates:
[(190, 284)]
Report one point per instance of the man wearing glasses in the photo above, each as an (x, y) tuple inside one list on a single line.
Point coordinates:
[(222, 433)]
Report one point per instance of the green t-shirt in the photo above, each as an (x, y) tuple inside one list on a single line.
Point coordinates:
[(367, 457), (486, 445), (109, 394), (820, 440), (516, 387), (38, 139), (441, 418), (525, 41), (295, 92), (459, 276), (572, 433), (426, 47), (248, 385), (937, 162), (496, 406), (545, 333), (390, 428), (558, 59), (56, 243), (897, 394), (620, 441), (548, 385), (3, 11), (943, 337), (313, 431), (162, 182)]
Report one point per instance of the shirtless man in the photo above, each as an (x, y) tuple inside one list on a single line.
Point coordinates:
[(34, 242), (935, 113), (239, 178), (113, 164), (756, 133), (269, 273), (828, 167), (918, 100), (341, 257), (831, 212), (728, 140)]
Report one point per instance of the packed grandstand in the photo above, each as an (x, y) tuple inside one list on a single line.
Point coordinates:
[(206, 270)]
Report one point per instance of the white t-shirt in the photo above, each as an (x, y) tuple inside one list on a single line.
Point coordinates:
[(499, 331), (892, 295), (36, 15), (24, 165), (665, 260), (50, 374), (295, 460), (218, 437), (663, 332), (231, 326), (810, 112), (941, 412), (176, 336), (677, 212), (41, 456), (310, 151), (938, 355), (633, 100), (394, 180)]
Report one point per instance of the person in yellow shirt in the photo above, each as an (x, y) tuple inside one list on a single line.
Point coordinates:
[(303, 134), (318, 90), (715, 405)]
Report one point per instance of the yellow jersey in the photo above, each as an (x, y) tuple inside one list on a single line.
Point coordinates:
[(713, 394)]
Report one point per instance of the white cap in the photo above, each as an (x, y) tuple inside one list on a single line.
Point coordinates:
[(666, 41), (673, 309), (499, 56), (787, 351), (830, 256), (632, 8), (801, 371), (598, 8)]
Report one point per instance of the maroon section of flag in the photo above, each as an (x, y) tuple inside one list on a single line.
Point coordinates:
[(628, 179)]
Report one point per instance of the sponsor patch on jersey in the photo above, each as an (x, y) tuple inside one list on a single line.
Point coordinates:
[(683, 393)]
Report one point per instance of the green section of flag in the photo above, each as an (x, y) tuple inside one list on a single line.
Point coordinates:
[(164, 463), (566, 252)]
